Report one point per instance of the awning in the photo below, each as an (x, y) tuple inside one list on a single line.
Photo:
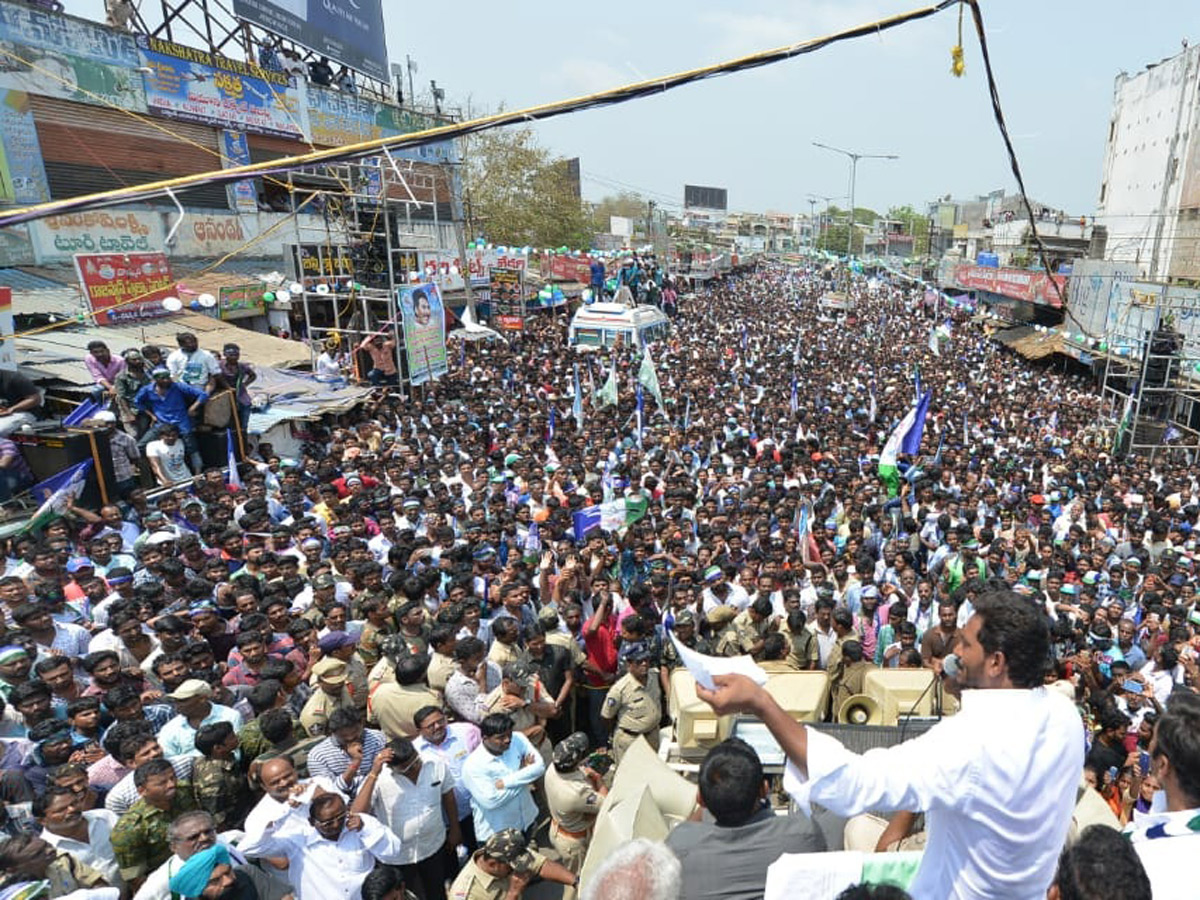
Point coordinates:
[(282, 395), (1029, 342)]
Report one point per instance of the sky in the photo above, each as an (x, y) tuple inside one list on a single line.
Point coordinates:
[(1055, 63)]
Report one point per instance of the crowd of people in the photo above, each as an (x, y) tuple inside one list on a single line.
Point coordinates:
[(401, 661)]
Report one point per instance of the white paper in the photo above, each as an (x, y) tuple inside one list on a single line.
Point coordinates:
[(703, 668), (813, 876)]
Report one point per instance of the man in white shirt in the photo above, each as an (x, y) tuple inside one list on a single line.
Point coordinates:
[(168, 457), (414, 797), (498, 773), (192, 365), (83, 833), (997, 781), (283, 791), (1168, 837), (451, 744), (330, 853)]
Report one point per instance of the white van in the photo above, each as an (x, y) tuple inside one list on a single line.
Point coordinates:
[(599, 325)]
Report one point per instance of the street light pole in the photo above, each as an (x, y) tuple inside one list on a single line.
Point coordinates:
[(854, 158)]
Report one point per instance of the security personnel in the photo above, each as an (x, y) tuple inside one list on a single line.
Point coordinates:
[(724, 636), (502, 868), (633, 706), (685, 631), (330, 694), (574, 794)]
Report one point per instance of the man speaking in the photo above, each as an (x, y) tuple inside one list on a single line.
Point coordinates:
[(997, 780)]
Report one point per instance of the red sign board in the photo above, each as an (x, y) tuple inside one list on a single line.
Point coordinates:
[(1020, 284), (125, 287), (567, 268)]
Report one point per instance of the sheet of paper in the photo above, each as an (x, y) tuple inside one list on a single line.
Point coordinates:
[(813, 876), (703, 668)]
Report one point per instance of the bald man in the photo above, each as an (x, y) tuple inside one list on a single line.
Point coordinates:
[(284, 791)]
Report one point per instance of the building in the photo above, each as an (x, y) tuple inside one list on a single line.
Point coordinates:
[(1150, 183)]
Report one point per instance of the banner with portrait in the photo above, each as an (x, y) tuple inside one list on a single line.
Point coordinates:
[(424, 332)]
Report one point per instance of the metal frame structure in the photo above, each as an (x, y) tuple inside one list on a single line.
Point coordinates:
[(212, 24), (364, 207), (1155, 409)]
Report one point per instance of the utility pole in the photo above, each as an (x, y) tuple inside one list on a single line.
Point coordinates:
[(854, 158)]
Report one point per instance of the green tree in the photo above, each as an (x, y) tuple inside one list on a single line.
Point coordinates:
[(627, 204), (915, 224), (519, 194)]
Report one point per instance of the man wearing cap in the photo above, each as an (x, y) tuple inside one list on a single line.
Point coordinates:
[(342, 646), (331, 694), (125, 387), (168, 403), (194, 709), (574, 794), (394, 703), (633, 706), (503, 867), (521, 695), (125, 452)]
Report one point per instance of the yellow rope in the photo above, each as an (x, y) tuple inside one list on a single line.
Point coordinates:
[(429, 135)]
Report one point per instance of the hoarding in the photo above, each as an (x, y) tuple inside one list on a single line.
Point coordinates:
[(197, 86), (125, 287), (235, 153), (349, 31), (319, 262), (336, 118), (59, 238), (22, 175), (241, 301), (507, 298), (424, 331), (697, 197), (1020, 284)]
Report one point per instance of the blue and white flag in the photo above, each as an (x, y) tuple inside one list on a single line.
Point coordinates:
[(553, 422), (234, 479), (533, 539), (577, 402), (641, 405), (687, 412), (873, 411), (1173, 434), (83, 411), (795, 400), (57, 493)]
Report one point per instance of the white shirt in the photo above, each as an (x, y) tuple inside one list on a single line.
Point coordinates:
[(320, 869), (997, 782), (268, 809), (172, 458), (414, 810), (511, 806), (193, 368), (1167, 858), (98, 851), (461, 739)]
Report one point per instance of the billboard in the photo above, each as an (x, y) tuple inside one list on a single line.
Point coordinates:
[(507, 299), (347, 31), (240, 301), (1020, 284), (198, 86), (59, 238), (695, 196), (424, 332), (124, 287), (320, 261), (235, 152), (22, 175)]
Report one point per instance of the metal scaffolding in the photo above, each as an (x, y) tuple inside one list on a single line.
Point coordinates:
[(348, 258), (1151, 381)]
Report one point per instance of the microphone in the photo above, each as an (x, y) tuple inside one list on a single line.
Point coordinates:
[(951, 667)]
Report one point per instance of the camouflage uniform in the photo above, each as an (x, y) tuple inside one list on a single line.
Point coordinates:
[(139, 839), (221, 790)]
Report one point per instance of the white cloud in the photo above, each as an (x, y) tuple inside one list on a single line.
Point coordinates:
[(578, 76)]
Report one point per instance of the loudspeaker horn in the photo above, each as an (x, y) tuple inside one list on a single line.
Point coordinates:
[(859, 709)]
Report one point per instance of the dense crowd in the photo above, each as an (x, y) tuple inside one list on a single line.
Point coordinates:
[(399, 661)]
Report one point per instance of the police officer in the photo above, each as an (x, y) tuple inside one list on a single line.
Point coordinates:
[(503, 867), (633, 706), (685, 631), (574, 794)]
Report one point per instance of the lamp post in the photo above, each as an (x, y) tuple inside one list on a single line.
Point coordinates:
[(854, 158)]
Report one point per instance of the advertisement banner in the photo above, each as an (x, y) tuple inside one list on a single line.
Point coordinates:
[(507, 298), (28, 26), (320, 261), (424, 331), (349, 31), (235, 152), (59, 238), (125, 287), (566, 268), (241, 301), (22, 175), (336, 119), (65, 76), (198, 86), (1020, 284)]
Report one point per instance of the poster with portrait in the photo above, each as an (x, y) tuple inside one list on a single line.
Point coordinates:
[(424, 332)]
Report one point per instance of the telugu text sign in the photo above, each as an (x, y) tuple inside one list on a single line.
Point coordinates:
[(507, 298), (1020, 284), (349, 31), (22, 175), (124, 287), (59, 238), (197, 86)]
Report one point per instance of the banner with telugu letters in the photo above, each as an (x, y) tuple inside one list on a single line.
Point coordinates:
[(111, 281)]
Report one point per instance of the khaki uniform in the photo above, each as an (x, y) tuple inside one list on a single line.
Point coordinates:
[(382, 671), (394, 705), (522, 718), (777, 667), (473, 883), (441, 667), (574, 804), (356, 682), (803, 651), (503, 654), (568, 643), (315, 715), (748, 631), (849, 682), (637, 709)]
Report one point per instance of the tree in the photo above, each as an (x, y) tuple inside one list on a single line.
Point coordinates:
[(915, 224), (627, 204), (519, 194)]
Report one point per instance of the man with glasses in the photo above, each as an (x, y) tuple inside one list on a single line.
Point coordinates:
[(414, 797), (330, 852), (188, 835), (451, 744)]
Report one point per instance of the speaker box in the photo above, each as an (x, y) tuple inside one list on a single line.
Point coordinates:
[(50, 452)]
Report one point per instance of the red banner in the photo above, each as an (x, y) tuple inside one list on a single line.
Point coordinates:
[(1020, 284), (123, 287), (567, 268)]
